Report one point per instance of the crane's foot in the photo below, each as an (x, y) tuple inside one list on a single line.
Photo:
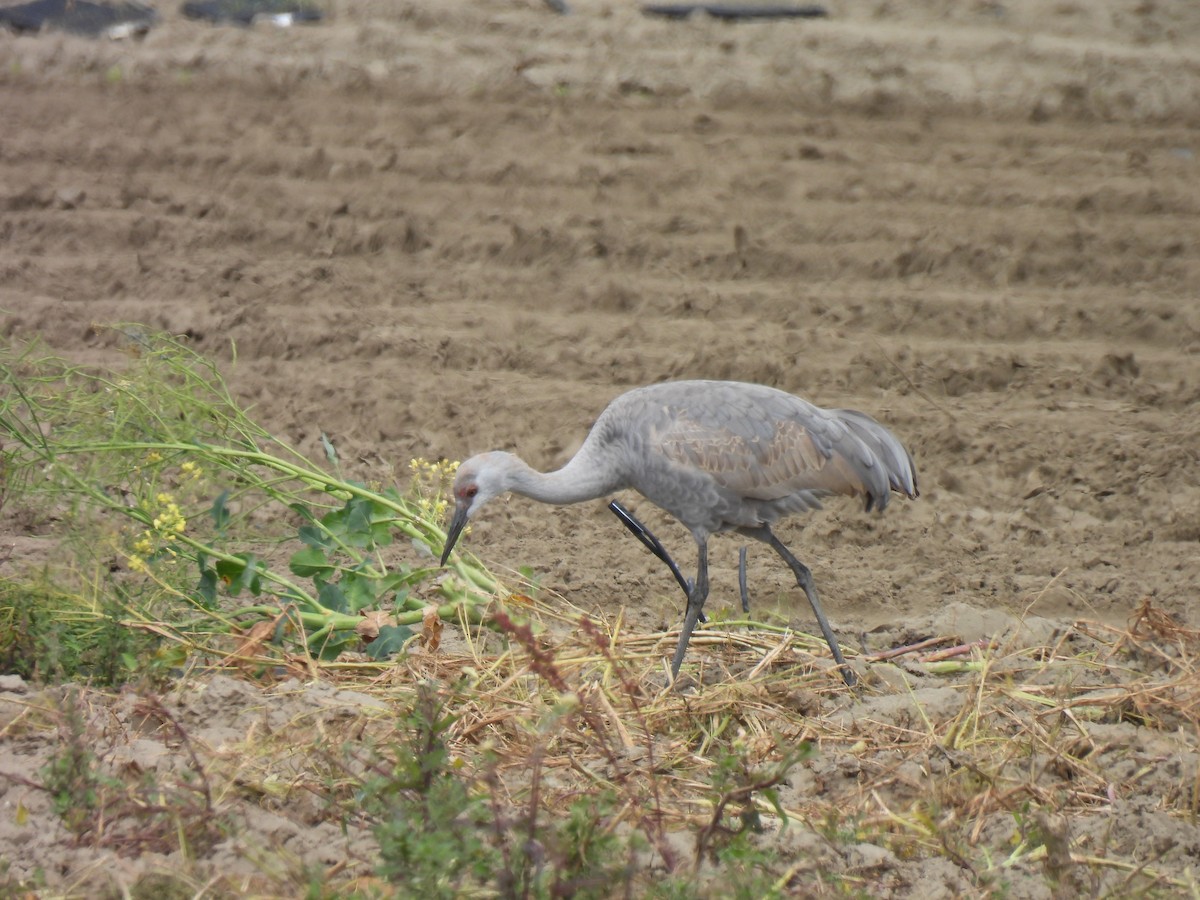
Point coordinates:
[(804, 580)]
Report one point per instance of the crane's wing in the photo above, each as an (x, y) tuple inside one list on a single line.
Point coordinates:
[(897, 461), (768, 445)]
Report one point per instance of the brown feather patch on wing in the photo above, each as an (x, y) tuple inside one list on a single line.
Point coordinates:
[(790, 460)]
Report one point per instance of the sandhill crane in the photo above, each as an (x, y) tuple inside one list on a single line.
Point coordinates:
[(718, 456)]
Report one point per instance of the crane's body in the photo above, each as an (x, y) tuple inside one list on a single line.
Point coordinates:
[(718, 456)]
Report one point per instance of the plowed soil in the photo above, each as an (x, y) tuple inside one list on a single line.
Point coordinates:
[(428, 230)]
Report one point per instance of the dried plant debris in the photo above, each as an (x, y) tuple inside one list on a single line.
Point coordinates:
[(533, 753)]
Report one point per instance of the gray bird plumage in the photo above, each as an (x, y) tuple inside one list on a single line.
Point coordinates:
[(718, 456)]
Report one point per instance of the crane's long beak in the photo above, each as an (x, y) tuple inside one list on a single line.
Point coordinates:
[(457, 524)]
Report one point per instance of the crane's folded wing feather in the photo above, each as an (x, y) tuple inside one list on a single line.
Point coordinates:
[(769, 454), (902, 474)]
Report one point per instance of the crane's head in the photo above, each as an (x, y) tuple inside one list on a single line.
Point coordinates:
[(479, 479)]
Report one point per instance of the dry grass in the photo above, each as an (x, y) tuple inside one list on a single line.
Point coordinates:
[(1013, 763), (1005, 777)]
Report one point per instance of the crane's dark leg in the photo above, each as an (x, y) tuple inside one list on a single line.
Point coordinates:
[(742, 580), (805, 580), (695, 608), (651, 543)]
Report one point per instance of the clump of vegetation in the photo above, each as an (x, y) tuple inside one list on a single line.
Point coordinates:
[(448, 825), (432, 829), (131, 812), (158, 469), (48, 634)]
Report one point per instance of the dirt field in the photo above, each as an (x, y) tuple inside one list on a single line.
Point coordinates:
[(435, 229)]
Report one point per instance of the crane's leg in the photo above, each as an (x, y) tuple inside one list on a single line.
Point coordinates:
[(653, 544), (695, 608), (805, 580), (742, 589)]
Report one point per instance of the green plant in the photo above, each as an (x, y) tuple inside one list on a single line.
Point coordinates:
[(72, 777), (52, 635), (432, 829), (163, 447), (11, 886), (131, 813), (445, 828), (728, 838), (595, 856)]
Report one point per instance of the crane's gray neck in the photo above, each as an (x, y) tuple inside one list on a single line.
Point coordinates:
[(585, 477)]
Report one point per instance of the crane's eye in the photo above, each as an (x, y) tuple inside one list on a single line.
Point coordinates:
[(470, 492)]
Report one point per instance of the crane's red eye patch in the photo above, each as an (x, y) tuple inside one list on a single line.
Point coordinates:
[(466, 493)]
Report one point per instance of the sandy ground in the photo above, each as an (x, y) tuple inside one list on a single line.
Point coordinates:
[(434, 229)]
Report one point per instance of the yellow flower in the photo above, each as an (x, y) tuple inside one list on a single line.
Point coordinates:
[(169, 522), (430, 485), (137, 564)]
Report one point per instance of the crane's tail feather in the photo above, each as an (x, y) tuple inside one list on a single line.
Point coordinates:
[(896, 460)]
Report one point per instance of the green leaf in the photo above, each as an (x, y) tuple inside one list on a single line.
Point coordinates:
[(310, 562), (358, 523), (359, 591), (345, 525), (219, 511), (314, 536), (333, 647), (389, 642), (331, 597), (311, 532), (171, 656), (206, 589), (772, 796), (240, 574), (381, 533), (362, 524), (395, 581)]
